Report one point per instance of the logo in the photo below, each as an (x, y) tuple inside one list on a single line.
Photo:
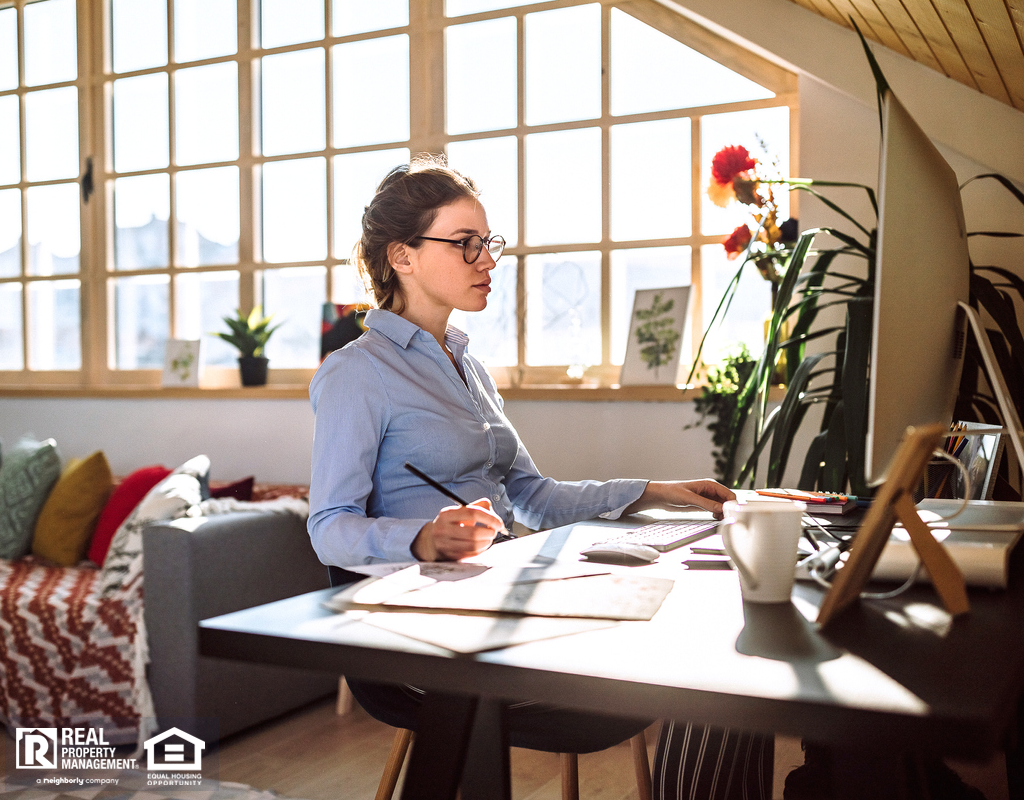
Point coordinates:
[(174, 750), (36, 748)]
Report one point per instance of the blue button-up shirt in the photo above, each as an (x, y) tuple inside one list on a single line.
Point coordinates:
[(394, 396)]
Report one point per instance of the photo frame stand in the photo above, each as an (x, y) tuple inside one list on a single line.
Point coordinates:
[(895, 501)]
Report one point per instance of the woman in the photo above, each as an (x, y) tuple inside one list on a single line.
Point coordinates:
[(408, 390)]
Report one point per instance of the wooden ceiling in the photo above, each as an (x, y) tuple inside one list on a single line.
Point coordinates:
[(979, 43)]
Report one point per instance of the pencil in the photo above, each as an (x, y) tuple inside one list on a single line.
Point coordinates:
[(501, 536)]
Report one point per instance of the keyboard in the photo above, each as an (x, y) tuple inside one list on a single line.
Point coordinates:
[(664, 536)]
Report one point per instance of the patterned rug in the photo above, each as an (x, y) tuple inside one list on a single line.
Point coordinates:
[(131, 785)]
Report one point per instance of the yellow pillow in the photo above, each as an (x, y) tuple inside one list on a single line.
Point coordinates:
[(68, 517)]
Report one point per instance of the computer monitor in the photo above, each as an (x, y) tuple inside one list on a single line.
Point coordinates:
[(921, 277)]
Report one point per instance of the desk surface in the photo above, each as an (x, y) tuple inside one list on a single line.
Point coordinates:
[(885, 673)]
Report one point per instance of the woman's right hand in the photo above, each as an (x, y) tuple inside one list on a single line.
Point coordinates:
[(458, 532)]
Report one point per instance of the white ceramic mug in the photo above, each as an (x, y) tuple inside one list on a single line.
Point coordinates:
[(761, 538)]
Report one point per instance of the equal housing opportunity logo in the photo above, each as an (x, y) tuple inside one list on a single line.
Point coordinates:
[(175, 755)]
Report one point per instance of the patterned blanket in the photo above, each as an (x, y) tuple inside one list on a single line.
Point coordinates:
[(69, 656)]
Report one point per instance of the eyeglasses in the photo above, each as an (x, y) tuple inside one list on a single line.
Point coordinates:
[(473, 246)]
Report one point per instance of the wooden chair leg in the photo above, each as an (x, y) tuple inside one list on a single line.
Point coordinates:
[(570, 776), (393, 767), (642, 766)]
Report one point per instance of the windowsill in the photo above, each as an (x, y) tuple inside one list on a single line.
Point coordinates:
[(572, 393)]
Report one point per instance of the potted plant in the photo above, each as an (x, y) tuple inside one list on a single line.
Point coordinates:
[(249, 333)]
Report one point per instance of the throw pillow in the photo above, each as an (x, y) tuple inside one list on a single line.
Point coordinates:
[(29, 471), (175, 496), (68, 517), (239, 490), (125, 497)]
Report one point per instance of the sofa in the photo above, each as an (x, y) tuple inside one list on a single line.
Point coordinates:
[(101, 631)]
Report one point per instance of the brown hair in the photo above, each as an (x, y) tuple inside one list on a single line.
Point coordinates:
[(402, 209)]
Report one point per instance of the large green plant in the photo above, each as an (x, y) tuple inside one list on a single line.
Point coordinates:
[(840, 276)]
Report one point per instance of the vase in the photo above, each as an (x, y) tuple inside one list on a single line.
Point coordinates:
[(253, 370)]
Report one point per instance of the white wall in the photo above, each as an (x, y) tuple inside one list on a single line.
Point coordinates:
[(272, 439)]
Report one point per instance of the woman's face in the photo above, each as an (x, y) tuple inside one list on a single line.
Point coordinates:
[(437, 276)]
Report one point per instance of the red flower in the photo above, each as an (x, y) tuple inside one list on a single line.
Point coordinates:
[(729, 162), (737, 241)]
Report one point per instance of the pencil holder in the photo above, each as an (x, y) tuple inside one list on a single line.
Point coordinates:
[(941, 479)]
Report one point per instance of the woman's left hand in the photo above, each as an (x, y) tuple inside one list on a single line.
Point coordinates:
[(704, 493)]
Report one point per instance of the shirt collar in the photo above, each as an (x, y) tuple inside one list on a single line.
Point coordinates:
[(401, 331)]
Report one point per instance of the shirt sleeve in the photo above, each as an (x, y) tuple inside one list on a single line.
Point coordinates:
[(349, 426)]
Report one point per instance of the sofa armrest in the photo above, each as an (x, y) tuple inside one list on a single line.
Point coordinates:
[(200, 567)]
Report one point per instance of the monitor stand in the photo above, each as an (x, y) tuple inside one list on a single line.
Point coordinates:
[(995, 380)]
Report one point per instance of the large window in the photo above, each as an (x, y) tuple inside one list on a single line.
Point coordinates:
[(163, 162)]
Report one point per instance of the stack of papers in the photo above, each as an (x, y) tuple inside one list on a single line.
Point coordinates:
[(468, 607)]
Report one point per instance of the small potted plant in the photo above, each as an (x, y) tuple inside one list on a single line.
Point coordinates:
[(249, 333)]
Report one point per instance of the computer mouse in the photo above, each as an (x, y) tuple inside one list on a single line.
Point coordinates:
[(628, 554)]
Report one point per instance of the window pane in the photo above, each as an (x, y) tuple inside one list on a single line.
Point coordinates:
[(11, 352), (295, 297), (140, 123), (142, 207), (654, 72), (644, 268), (480, 69), (749, 309), (10, 140), (54, 229), (563, 187), (139, 37), (51, 133), (291, 21), (51, 42), (563, 309), (141, 318), (202, 301), (765, 134), (54, 314), (356, 178), (295, 210), (10, 233), (206, 114), (347, 285), (563, 65), (8, 48), (294, 119), (204, 29), (492, 332), (457, 8), (371, 91), (358, 16), (206, 205), (493, 164), (650, 186)]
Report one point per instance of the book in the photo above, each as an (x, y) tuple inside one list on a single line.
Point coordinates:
[(817, 502)]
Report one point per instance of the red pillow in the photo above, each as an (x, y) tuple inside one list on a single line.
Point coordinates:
[(239, 490), (122, 502)]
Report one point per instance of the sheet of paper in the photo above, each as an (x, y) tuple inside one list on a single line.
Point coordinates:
[(600, 596), (475, 633)]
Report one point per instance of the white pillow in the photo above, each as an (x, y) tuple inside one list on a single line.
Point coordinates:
[(177, 495)]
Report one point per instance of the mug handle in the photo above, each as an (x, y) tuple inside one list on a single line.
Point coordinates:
[(744, 570)]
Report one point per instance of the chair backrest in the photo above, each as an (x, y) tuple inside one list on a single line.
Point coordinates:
[(339, 576)]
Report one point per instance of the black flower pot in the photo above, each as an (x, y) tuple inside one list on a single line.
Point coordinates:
[(253, 370)]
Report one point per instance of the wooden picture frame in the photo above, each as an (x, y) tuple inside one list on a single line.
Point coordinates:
[(893, 501), (655, 344)]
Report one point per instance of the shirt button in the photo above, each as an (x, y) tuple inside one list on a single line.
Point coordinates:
[(497, 497), (487, 426), (489, 464)]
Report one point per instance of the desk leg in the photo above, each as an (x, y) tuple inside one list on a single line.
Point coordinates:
[(487, 773), (439, 747)]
